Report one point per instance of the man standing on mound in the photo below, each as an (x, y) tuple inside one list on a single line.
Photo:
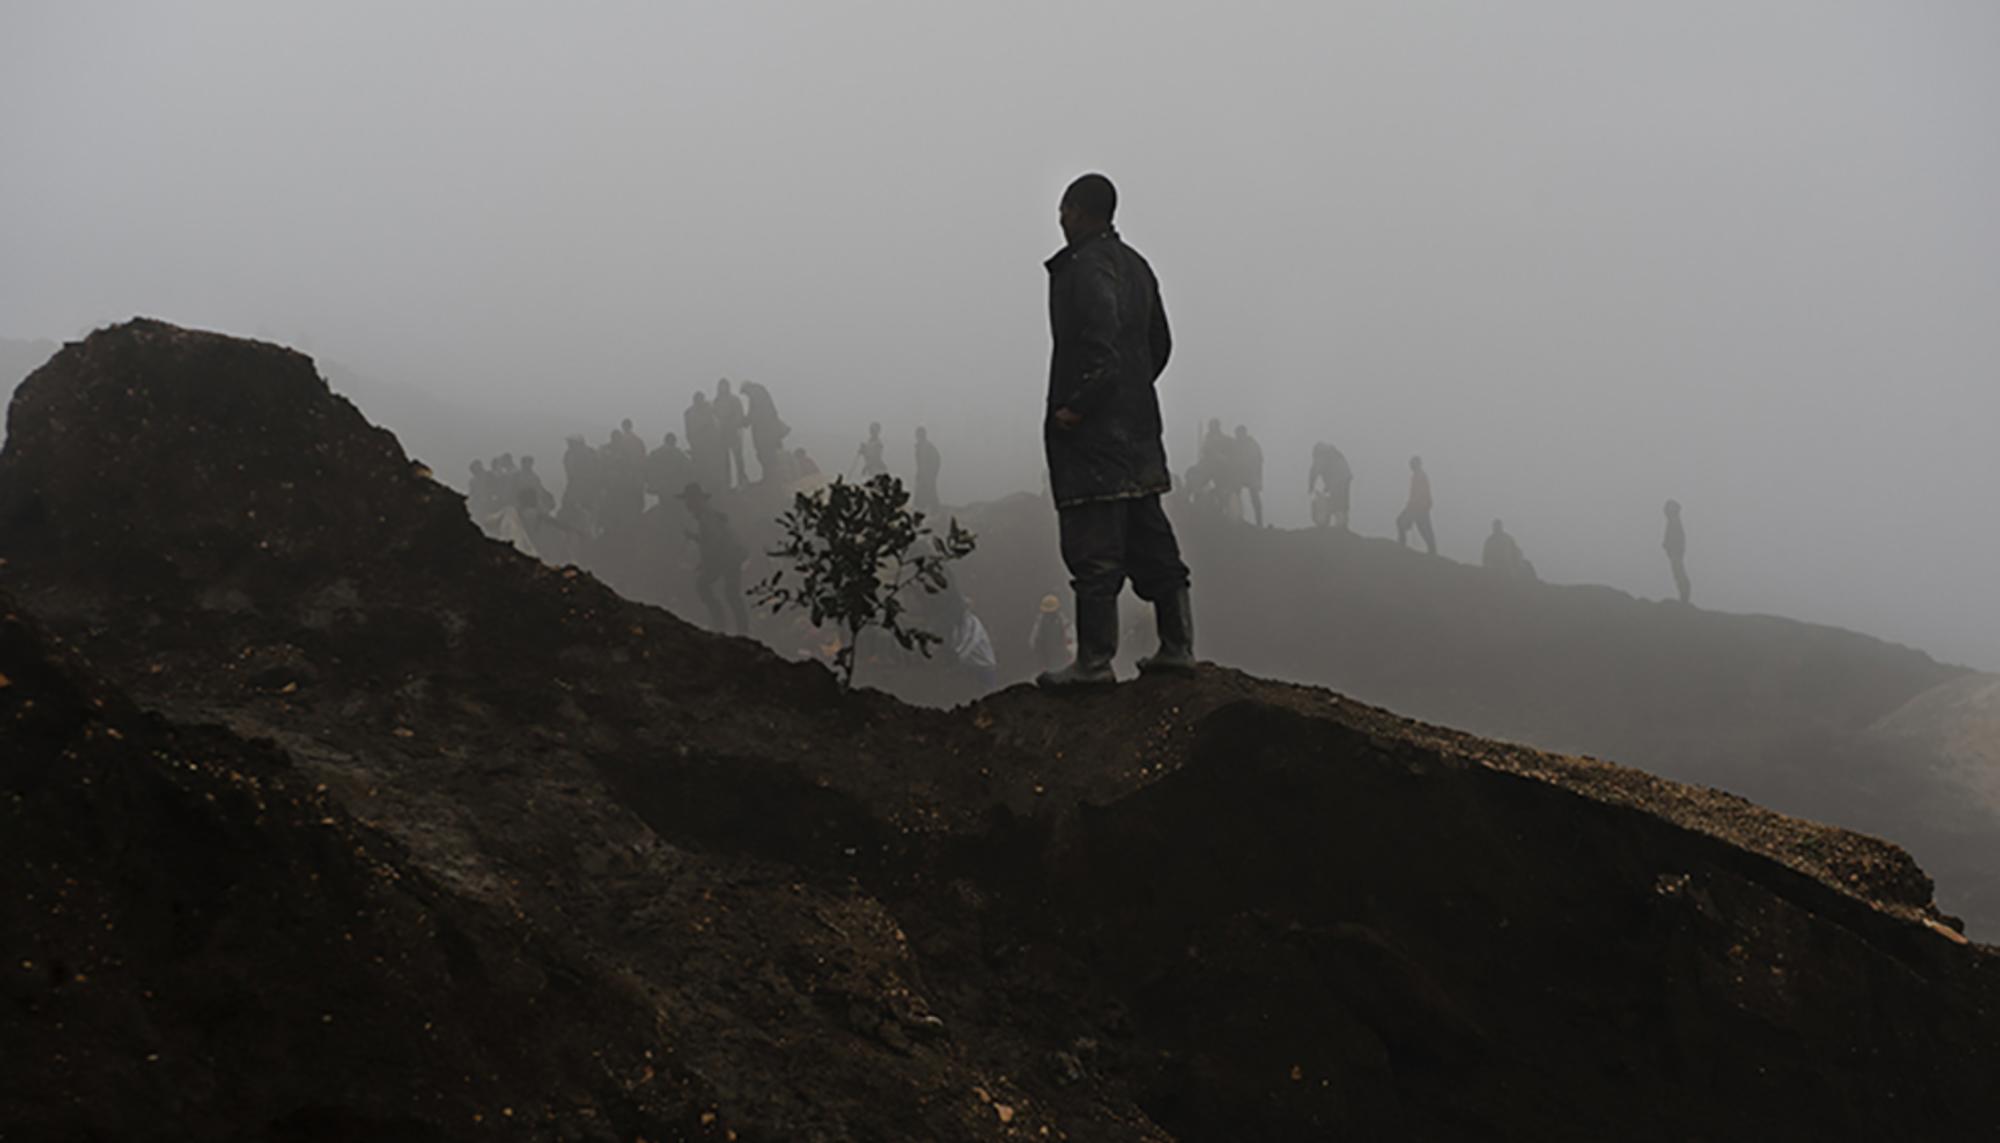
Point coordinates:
[(1107, 465)]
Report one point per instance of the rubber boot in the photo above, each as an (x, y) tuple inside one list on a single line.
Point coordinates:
[(1096, 643), (1175, 616)]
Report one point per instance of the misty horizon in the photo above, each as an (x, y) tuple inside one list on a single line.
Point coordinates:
[(1580, 261)]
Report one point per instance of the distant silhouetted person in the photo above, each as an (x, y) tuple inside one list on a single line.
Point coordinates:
[(804, 465), (479, 491), (1502, 555), (704, 442), (767, 431), (1417, 512), (625, 443), (1052, 641), (1331, 485), (1248, 458), (731, 421), (869, 455), (928, 463), (530, 482), (668, 468), (1211, 483), (721, 563), (1107, 464), (1676, 545)]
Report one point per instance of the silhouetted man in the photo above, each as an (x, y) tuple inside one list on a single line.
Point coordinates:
[(729, 418), (479, 491), (1052, 641), (1417, 511), (1330, 483), (704, 442), (530, 481), (1107, 465), (869, 455), (1676, 545), (721, 562), (767, 431), (668, 468), (1502, 555), (928, 464), (1248, 456)]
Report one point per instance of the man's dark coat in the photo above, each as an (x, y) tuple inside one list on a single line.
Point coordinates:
[(1111, 342)]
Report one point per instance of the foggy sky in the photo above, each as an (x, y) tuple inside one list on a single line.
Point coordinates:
[(1580, 256)]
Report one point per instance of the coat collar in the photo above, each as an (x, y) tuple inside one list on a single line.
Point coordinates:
[(1070, 251)]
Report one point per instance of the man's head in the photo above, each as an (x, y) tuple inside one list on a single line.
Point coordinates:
[(528, 463), (1496, 527), (672, 441), (722, 387), (1673, 508), (1087, 207), (1215, 425), (1241, 432), (1416, 464), (626, 424), (874, 429), (479, 468), (921, 435), (700, 398)]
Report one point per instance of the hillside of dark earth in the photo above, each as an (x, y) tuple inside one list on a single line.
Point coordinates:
[(1782, 712), (327, 817)]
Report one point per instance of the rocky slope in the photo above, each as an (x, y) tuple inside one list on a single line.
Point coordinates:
[(1772, 709), (331, 818)]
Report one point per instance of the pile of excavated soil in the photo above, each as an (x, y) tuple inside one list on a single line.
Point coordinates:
[(335, 819)]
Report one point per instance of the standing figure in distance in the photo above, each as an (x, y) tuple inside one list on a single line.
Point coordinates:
[(703, 433), (1248, 456), (928, 464), (869, 455), (1502, 555), (1107, 464), (767, 430), (730, 419), (1676, 545), (1052, 641), (1330, 483), (721, 562), (1417, 512)]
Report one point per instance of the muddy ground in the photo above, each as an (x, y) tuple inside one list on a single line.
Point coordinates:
[(328, 818)]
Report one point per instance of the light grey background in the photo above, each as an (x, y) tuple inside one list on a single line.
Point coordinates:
[(1581, 255)]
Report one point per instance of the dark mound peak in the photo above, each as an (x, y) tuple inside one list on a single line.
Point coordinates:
[(637, 880), (203, 452)]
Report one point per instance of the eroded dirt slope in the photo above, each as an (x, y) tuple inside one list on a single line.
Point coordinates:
[(1212, 909)]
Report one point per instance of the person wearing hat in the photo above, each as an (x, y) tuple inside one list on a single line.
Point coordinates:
[(721, 562), (1052, 642), (1107, 464)]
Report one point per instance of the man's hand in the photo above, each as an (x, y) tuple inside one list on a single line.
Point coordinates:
[(1068, 418)]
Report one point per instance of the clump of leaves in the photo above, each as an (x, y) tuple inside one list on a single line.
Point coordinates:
[(850, 552)]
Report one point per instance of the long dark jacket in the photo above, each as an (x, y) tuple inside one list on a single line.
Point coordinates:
[(1111, 342)]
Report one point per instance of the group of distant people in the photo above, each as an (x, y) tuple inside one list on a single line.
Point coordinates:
[(1226, 470), (1106, 466), (642, 519), (1231, 467)]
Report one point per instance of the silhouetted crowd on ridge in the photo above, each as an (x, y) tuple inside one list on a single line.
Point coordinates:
[(685, 523)]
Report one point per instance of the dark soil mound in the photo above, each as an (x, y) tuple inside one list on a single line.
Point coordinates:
[(1769, 708), (591, 873)]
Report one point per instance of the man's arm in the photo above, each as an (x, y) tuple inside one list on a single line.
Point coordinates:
[(1097, 332), (1161, 337)]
